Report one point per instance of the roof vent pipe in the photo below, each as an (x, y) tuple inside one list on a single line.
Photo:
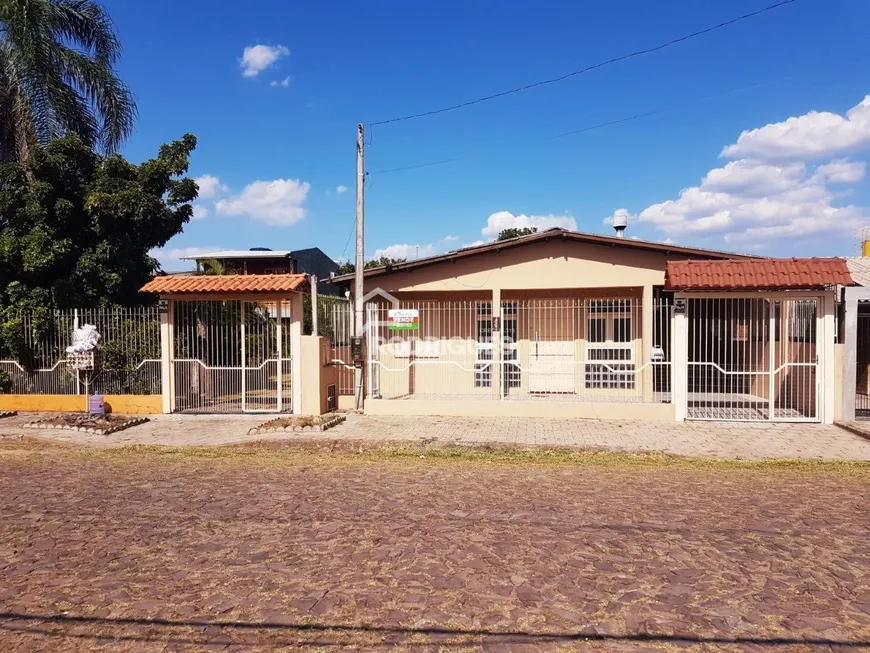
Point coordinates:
[(620, 222)]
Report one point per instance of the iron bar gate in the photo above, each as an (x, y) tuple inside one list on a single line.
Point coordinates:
[(232, 356), (753, 358)]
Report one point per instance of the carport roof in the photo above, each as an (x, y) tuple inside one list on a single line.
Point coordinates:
[(225, 284), (758, 274)]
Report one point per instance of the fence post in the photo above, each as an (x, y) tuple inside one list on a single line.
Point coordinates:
[(167, 377), (296, 317), (496, 366), (647, 315), (680, 364), (315, 309), (827, 355), (850, 354)]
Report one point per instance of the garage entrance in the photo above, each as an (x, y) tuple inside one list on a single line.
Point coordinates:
[(232, 357), (753, 358), (230, 343)]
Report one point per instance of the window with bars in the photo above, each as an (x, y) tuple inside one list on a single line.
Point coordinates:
[(609, 336)]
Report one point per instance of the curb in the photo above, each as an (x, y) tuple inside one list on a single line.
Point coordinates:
[(846, 426)]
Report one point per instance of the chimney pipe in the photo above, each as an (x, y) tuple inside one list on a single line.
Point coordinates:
[(620, 222)]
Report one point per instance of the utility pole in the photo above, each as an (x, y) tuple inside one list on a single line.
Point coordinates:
[(360, 263)]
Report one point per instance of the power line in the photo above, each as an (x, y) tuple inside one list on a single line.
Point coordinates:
[(601, 125), (602, 64)]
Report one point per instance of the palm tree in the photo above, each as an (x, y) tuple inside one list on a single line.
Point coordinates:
[(57, 76)]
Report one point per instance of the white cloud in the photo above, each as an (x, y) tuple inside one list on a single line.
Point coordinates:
[(813, 135), (449, 239), (210, 187), (256, 58), (777, 187), (199, 212), (278, 202), (842, 172), (748, 199), (410, 252), (339, 190), (284, 82), (498, 222), (476, 243), (171, 257)]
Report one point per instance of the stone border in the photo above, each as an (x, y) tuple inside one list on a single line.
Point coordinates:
[(49, 425), (8, 413), (327, 424)]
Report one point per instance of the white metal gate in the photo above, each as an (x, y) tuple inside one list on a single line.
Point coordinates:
[(231, 356), (753, 358)]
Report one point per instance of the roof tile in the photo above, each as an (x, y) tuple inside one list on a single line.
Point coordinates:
[(229, 283), (757, 274)]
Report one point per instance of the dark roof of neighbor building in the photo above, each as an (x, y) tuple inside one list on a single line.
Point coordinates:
[(227, 283), (556, 233), (758, 274)]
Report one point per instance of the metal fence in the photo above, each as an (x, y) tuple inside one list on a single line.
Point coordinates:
[(578, 349), (752, 358), (34, 356), (862, 366), (335, 321), (232, 356)]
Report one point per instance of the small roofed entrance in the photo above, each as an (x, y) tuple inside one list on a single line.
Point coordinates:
[(231, 342), (755, 338)]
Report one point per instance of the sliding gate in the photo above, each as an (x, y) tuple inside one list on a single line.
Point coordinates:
[(231, 356), (753, 358)]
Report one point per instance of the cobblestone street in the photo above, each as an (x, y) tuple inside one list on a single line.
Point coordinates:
[(256, 549)]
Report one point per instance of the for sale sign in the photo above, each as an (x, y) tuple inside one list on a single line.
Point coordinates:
[(403, 319)]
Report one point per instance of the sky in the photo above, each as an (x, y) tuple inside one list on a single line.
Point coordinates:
[(752, 138)]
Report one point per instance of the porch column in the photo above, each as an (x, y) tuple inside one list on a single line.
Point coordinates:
[(850, 355), (680, 360), (167, 373), (296, 317), (827, 356), (495, 369), (647, 316)]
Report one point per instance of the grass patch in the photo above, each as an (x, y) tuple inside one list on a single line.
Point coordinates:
[(290, 453)]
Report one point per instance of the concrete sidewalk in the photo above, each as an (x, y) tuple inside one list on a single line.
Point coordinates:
[(743, 440)]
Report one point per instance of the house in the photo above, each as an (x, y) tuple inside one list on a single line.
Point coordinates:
[(262, 260), (582, 325)]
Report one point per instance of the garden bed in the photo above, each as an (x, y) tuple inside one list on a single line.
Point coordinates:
[(96, 424), (298, 423)]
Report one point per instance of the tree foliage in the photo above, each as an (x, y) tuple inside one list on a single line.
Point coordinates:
[(76, 227), (516, 232), (57, 76), (348, 267)]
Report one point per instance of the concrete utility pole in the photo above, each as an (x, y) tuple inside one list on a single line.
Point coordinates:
[(360, 262)]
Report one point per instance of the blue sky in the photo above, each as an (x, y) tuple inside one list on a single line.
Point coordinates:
[(277, 126)]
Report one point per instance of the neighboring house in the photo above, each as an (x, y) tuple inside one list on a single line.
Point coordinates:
[(581, 325), (261, 260)]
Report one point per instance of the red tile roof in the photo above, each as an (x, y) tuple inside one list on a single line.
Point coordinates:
[(225, 284), (757, 274)]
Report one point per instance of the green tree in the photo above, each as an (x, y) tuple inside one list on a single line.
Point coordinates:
[(215, 267), (348, 267), (515, 232), (57, 76), (76, 227)]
